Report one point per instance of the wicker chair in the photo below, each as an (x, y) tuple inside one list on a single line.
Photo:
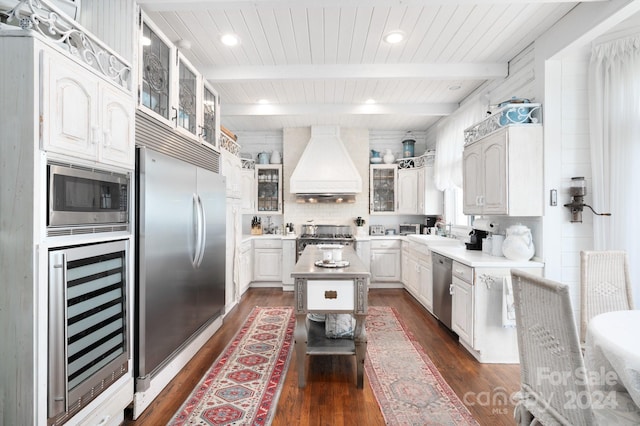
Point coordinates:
[(552, 388), (604, 285)]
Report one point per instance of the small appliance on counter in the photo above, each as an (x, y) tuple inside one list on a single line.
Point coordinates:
[(429, 222), (481, 228), (376, 230), (475, 239), (409, 228)]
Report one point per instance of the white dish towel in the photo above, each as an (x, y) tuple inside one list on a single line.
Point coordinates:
[(508, 308)]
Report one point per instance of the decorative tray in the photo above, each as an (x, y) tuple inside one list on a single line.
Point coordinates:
[(336, 264)]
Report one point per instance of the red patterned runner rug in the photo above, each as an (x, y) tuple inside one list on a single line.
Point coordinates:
[(243, 385), (408, 387)]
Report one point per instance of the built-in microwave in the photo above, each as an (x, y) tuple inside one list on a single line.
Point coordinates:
[(83, 196)]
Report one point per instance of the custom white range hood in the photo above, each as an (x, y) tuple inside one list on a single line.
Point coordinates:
[(325, 171)]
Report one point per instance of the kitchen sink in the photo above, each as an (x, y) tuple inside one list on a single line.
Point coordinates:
[(434, 240)]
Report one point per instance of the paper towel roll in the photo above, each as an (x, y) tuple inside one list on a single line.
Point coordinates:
[(485, 225)]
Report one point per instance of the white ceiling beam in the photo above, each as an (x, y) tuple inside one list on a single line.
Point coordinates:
[(440, 110), (176, 5), (460, 71)]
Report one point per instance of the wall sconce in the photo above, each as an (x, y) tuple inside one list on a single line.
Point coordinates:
[(577, 191)]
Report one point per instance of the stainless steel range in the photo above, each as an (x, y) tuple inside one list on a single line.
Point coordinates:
[(324, 234)]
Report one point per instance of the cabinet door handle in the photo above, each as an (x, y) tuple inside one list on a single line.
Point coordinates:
[(451, 289), (106, 140), (95, 135)]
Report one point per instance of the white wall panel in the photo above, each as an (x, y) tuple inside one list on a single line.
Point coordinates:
[(113, 22)]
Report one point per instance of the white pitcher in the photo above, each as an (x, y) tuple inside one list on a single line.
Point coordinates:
[(276, 158), (518, 245), (388, 157)]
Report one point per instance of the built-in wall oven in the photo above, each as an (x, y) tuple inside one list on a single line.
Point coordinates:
[(88, 324), (89, 199)]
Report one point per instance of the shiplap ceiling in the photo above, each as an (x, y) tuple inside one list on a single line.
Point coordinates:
[(317, 62)]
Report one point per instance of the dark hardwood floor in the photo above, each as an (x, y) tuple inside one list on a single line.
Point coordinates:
[(331, 397)]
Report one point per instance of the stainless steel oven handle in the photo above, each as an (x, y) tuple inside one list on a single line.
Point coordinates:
[(58, 369)]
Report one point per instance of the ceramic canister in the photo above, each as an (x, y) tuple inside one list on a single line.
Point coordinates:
[(486, 245), (496, 245)]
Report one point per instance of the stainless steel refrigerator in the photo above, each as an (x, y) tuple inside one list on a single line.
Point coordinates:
[(180, 286)]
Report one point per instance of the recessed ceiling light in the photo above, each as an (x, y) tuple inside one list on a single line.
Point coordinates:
[(230, 39), (393, 37), (263, 101), (455, 87), (370, 101)]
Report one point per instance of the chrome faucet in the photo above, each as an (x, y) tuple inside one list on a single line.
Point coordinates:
[(444, 229)]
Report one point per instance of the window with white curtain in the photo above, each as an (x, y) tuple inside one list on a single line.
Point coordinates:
[(614, 119), (448, 160)]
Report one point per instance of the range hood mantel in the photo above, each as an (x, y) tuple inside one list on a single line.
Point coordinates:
[(325, 166)]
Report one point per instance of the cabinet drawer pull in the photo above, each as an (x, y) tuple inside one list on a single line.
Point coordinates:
[(330, 294)]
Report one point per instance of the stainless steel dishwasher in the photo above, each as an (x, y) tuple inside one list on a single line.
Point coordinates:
[(441, 284)]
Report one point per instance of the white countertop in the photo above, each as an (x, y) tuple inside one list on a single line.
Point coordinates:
[(448, 247), (457, 251), (269, 236), (478, 259)]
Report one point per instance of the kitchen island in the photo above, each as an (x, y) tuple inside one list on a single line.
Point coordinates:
[(329, 290)]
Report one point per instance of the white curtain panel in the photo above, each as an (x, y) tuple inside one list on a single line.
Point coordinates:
[(614, 115), (450, 144)]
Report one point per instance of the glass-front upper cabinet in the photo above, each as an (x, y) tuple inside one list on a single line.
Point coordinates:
[(187, 97), (210, 116), (382, 197), (269, 188), (156, 72), (173, 91)]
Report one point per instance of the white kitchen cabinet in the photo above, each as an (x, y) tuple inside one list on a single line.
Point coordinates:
[(410, 271), (288, 262), (173, 91), (188, 99), (85, 116), (267, 260), (382, 189), (416, 190), (231, 168), (210, 127), (268, 179), (404, 263), (37, 117), (248, 190), (425, 281), (232, 252), (385, 260), (462, 304), (502, 173), (416, 273), (408, 191), (462, 310), (476, 312), (246, 265)]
